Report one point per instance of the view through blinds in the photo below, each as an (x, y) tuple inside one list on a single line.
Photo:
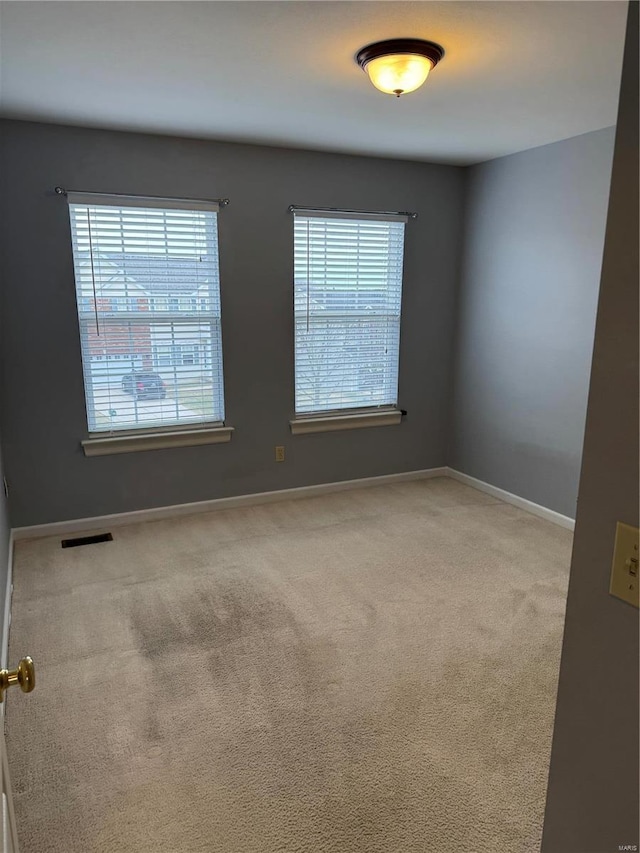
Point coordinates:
[(347, 295), (148, 295)]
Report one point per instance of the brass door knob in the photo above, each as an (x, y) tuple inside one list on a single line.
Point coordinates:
[(24, 675)]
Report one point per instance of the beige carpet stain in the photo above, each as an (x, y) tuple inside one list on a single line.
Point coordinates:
[(370, 671)]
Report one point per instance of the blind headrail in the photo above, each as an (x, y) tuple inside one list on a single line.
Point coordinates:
[(401, 215), (82, 197)]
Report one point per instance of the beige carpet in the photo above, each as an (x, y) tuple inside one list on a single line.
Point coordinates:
[(369, 671)]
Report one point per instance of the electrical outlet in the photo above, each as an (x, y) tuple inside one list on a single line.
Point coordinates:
[(279, 453), (624, 571)]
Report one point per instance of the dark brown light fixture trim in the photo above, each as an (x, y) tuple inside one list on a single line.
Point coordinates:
[(419, 47)]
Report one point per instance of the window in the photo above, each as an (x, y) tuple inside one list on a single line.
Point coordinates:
[(148, 295), (347, 292), (177, 355)]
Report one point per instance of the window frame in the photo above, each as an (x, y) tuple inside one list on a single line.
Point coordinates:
[(122, 309), (347, 417)]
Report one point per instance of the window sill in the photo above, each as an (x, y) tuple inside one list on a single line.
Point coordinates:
[(155, 441), (329, 423)]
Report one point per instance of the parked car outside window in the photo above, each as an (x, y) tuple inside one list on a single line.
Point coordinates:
[(144, 386)]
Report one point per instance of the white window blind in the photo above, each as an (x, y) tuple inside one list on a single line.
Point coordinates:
[(347, 295), (148, 295)]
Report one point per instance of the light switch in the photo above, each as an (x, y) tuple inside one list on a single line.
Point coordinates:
[(624, 571)]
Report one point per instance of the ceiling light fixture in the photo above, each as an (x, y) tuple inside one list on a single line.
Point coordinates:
[(399, 66)]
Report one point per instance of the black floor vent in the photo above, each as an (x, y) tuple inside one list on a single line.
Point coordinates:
[(86, 540)]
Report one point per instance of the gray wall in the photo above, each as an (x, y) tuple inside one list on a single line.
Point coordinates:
[(534, 235), (43, 416), (592, 801)]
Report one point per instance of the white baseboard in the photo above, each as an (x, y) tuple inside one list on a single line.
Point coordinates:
[(119, 519), (516, 500)]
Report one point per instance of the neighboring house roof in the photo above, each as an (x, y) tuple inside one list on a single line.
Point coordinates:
[(156, 275)]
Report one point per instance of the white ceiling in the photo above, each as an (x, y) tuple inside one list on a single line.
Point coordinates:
[(515, 74)]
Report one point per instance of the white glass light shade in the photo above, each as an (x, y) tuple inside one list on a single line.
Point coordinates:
[(397, 74)]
